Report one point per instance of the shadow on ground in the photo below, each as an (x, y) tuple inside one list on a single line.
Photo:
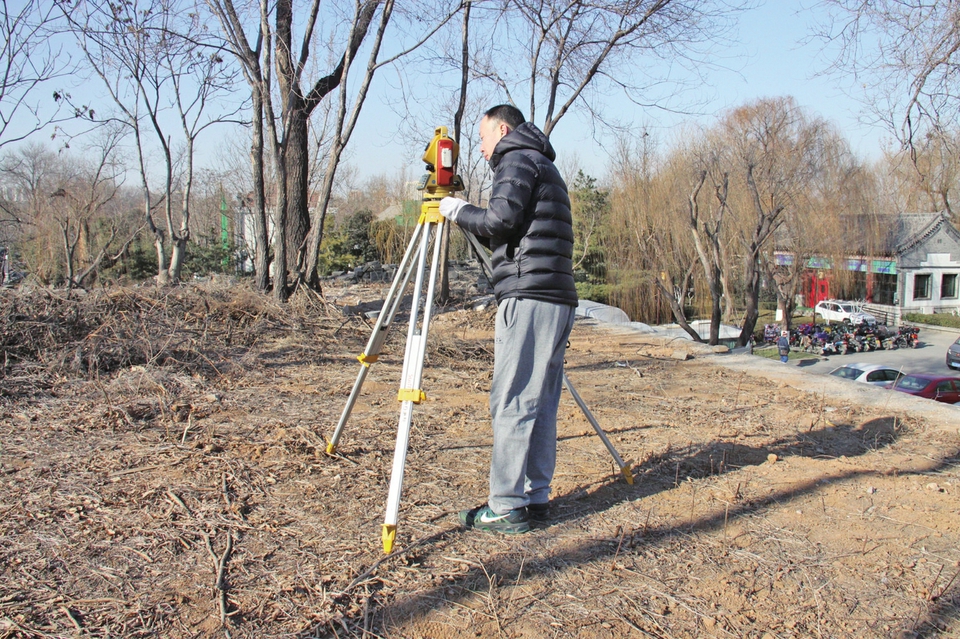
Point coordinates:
[(653, 477)]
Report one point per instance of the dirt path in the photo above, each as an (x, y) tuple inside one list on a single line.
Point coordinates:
[(162, 500)]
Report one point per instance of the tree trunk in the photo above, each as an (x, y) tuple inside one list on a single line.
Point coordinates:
[(182, 237), (751, 295), (675, 305), (728, 296), (708, 262), (280, 290), (177, 256), (444, 295), (68, 250), (261, 261), (716, 315), (310, 274), (297, 182), (163, 277)]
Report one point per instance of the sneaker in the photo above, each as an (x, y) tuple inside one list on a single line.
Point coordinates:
[(539, 512), (482, 518)]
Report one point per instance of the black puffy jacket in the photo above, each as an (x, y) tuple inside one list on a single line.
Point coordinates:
[(527, 221)]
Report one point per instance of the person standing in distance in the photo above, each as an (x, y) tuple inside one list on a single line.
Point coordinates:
[(528, 225), (783, 346)]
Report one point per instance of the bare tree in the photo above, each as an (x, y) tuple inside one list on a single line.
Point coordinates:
[(559, 54), (27, 60), (71, 209), (290, 144), (706, 232), (344, 126), (254, 55), (28, 176), (86, 198), (153, 58), (833, 191), (906, 56), (936, 160), (775, 152), (272, 49)]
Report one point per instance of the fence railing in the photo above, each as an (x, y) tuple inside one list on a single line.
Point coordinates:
[(885, 314)]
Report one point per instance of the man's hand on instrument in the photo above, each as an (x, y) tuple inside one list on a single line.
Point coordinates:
[(450, 207)]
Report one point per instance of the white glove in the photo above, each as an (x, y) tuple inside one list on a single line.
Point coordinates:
[(450, 207)]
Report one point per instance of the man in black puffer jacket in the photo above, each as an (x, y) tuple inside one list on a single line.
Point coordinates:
[(528, 225)]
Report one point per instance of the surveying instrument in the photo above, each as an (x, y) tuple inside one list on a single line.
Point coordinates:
[(439, 182)]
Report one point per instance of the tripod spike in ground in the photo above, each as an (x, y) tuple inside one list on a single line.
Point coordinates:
[(389, 535)]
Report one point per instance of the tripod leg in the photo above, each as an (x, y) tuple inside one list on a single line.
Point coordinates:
[(625, 469), (379, 335), (410, 391)]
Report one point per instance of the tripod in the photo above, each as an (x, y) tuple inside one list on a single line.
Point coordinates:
[(439, 182)]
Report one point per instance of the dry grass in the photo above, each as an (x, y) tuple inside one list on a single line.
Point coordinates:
[(162, 473)]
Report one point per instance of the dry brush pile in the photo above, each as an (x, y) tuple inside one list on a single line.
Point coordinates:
[(163, 473)]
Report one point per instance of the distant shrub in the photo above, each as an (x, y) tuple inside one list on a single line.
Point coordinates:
[(593, 292), (936, 319)]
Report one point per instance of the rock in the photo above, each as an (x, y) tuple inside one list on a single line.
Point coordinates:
[(772, 458), (363, 308), (680, 355)]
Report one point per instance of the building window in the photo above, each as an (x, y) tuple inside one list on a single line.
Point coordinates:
[(948, 285), (921, 286), (884, 289)]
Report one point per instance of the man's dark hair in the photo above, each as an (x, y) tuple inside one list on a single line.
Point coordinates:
[(506, 113)]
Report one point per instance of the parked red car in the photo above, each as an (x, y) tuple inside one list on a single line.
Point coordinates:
[(942, 389)]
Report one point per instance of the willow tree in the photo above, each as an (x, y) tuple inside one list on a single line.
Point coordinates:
[(648, 239)]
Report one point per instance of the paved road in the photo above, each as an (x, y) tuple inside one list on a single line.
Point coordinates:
[(927, 357)]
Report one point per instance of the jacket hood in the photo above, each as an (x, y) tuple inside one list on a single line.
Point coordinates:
[(525, 136)]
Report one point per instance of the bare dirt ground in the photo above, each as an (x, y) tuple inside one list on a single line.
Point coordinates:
[(163, 473)]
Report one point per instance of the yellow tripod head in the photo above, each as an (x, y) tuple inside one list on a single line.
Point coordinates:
[(440, 157)]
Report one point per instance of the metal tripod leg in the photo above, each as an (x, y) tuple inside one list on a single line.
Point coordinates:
[(410, 391), (625, 469), (372, 351)]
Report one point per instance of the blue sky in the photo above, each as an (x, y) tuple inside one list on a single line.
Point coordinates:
[(773, 56), (768, 58)]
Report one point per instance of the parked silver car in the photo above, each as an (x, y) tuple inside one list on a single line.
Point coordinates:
[(953, 355), (877, 374)]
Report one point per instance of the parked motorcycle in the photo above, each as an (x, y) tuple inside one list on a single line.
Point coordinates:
[(907, 337)]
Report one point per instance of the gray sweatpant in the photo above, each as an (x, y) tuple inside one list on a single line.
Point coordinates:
[(530, 342)]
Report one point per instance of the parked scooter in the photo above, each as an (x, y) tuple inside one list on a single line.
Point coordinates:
[(907, 336)]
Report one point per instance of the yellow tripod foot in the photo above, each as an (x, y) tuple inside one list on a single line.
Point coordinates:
[(331, 449), (627, 473), (389, 535)]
